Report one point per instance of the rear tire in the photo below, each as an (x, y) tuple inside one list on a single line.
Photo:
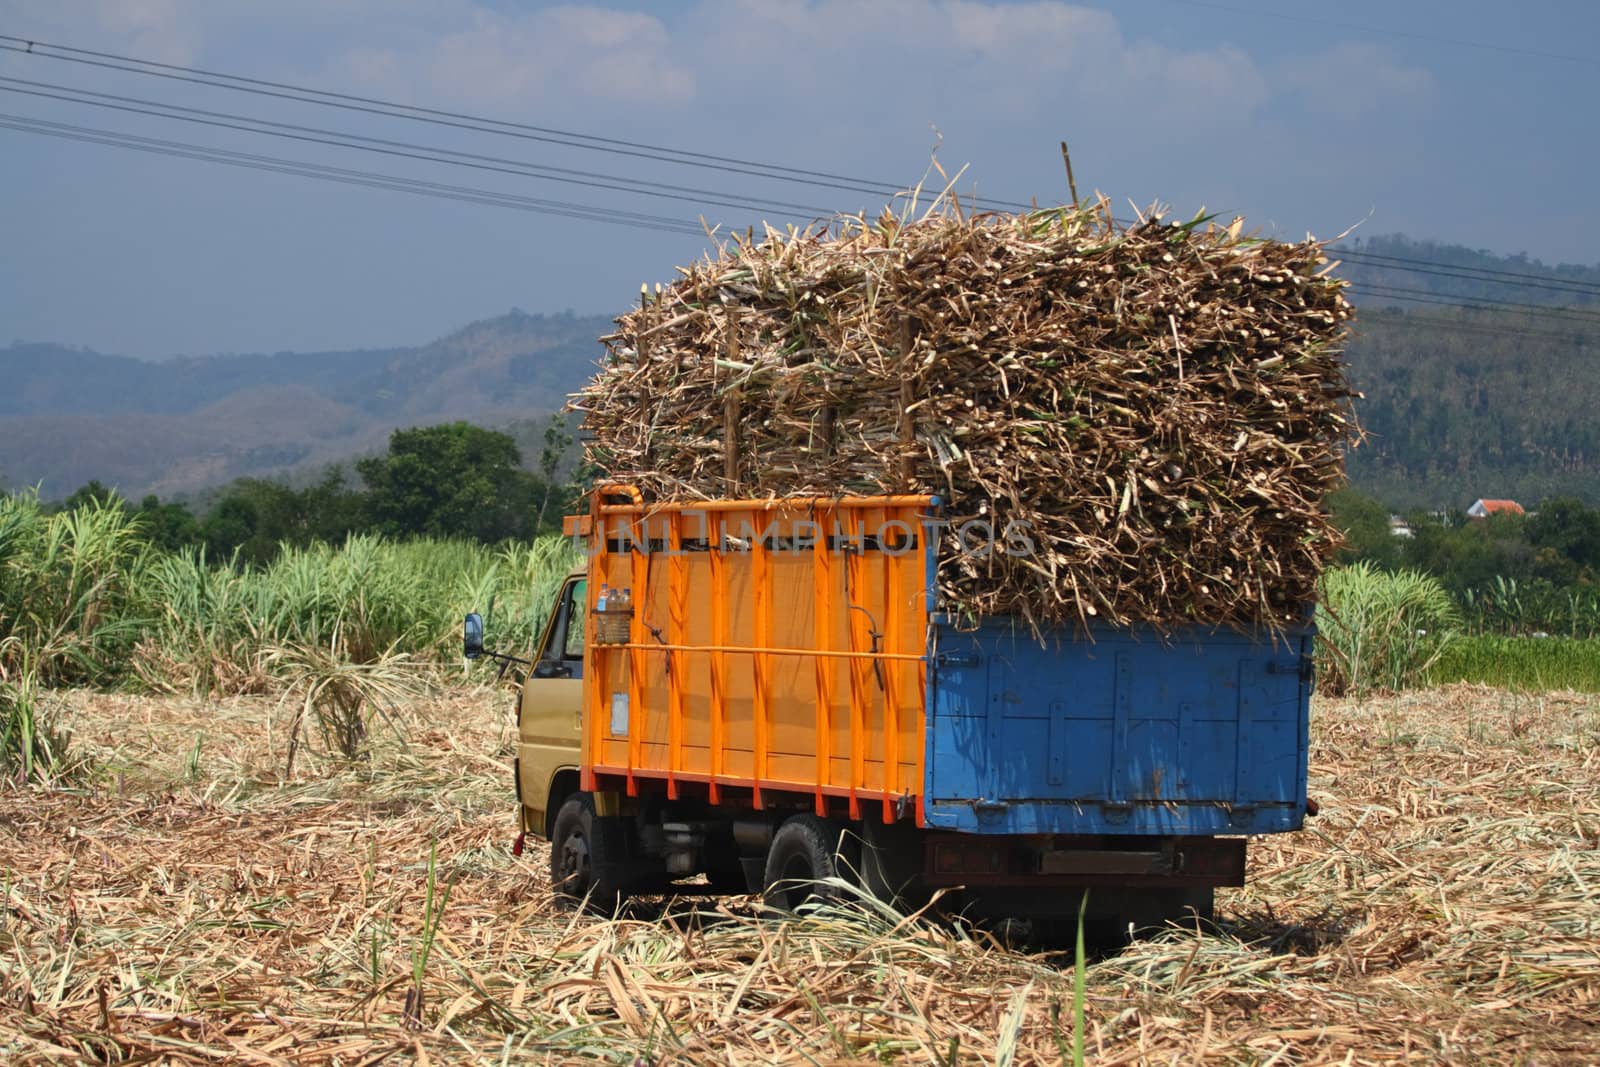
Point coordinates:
[(805, 854), (588, 856)]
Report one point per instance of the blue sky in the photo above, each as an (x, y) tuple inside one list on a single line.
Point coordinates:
[(1304, 117)]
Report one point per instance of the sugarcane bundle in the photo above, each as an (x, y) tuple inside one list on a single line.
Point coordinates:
[(1146, 417)]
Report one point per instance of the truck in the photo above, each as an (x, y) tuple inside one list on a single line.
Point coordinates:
[(769, 696)]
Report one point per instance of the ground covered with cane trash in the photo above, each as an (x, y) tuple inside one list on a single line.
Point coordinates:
[(184, 902)]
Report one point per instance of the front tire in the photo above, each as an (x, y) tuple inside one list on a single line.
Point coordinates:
[(588, 856), (806, 853)]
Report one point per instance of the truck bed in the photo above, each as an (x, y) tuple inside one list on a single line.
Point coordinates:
[(790, 652), (1116, 732)]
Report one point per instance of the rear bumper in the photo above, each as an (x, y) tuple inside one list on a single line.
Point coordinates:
[(1042, 862), (1135, 817)]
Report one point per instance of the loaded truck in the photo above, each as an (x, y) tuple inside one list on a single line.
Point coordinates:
[(769, 693)]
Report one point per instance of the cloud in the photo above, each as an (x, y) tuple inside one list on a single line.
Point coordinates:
[(1046, 64), (1355, 80), (152, 29), (559, 53)]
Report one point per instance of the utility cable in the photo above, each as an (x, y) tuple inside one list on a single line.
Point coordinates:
[(462, 120), (1429, 296), (338, 139), (585, 212), (538, 169), (1427, 266), (661, 153), (1574, 338), (250, 161)]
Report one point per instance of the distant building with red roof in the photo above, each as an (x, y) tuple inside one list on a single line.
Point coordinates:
[(1484, 508)]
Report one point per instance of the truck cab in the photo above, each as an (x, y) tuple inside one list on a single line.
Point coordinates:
[(550, 712)]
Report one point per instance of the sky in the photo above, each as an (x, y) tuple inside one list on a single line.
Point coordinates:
[(1461, 121)]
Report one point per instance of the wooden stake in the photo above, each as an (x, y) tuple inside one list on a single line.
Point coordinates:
[(1071, 185), (730, 413), (908, 396)]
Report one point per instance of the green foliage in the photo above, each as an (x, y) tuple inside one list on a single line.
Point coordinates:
[(167, 527), (1365, 522), (557, 443), (90, 493), (432, 913), (67, 587), (256, 518), (1535, 607), (1509, 574), (1566, 539), (233, 628), (457, 480), (1526, 663), (1378, 629), (1464, 554), (86, 599)]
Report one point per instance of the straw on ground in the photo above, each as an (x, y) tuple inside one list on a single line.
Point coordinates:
[(195, 907)]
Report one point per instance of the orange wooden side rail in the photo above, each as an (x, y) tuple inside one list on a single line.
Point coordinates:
[(775, 647)]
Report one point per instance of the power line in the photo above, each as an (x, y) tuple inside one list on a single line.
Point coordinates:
[(610, 182), (251, 161), (403, 150), (560, 208), (660, 153), (585, 212), (462, 120), (1519, 278), (1467, 327), (1429, 296), (541, 169)]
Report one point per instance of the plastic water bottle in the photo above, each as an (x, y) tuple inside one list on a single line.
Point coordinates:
[(600, 605)]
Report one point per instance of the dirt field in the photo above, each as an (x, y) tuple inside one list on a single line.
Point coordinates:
[(187, 905)]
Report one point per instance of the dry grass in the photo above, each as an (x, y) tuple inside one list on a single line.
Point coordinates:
[(193, 907)]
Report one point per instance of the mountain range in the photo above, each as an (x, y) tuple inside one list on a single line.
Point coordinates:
[(1492, 400), (178, 426)]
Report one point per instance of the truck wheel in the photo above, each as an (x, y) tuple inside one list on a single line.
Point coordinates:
[(587, 855), (805, 853)]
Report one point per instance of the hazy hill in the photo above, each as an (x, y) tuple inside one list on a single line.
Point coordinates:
[(70, 415), (1459, 403), (1454, 272)]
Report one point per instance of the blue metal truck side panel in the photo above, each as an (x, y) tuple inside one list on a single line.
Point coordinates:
[(1204, 732)]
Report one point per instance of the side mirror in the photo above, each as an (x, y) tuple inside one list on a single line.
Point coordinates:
[(472, 636)]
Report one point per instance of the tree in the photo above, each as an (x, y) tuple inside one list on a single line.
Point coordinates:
[(167, 526), (455, 480), (254, 516), (1566, 536), (556, 442), (1468, 555), (1564, 524), (91, 492), (1365, 522)]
